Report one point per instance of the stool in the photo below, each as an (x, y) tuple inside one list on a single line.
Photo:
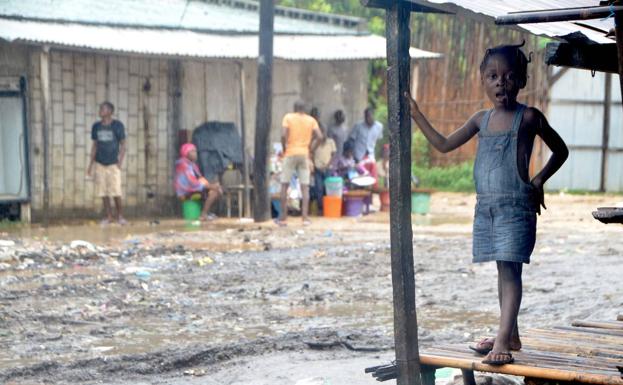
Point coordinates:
[(237, 190)]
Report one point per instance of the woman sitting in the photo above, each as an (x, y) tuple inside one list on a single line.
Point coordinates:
[(189, 181)]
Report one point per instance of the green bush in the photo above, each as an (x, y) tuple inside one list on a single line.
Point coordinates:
[(457, 178)]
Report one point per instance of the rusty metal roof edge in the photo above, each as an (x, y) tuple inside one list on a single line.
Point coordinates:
[(454, 8), (62, 39), (171, 28)]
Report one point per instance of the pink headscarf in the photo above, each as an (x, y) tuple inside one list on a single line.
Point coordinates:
[(186, 148)]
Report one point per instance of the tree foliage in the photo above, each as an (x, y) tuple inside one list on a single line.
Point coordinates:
[(376, 22)]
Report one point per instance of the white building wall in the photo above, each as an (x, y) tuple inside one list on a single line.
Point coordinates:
[(576, 112)]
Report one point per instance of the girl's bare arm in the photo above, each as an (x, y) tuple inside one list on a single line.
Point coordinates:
[(560, 153), (440, 142)]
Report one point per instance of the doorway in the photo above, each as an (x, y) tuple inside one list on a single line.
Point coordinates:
[(14, 167)]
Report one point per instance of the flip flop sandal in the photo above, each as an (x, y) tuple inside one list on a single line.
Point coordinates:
[(281, 223), (508, 360), (484, 346)]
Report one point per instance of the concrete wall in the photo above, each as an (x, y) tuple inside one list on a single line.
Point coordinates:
[(144, 91)]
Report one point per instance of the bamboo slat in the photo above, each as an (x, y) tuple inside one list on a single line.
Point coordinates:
[(590, 352), (598, 324), (519, 369)]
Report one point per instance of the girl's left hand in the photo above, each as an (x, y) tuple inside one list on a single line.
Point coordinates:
[(540, 194)]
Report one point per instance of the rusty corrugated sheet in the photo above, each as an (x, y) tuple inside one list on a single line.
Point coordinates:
[(194, 44), (233, 16), (489, 9)]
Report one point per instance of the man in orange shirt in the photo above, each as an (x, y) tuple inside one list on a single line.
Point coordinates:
[(299, 129)]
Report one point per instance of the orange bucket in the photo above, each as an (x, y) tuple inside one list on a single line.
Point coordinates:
[(331, 206), (384, 195)]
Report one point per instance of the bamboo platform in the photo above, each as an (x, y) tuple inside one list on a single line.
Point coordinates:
[(589, 352)]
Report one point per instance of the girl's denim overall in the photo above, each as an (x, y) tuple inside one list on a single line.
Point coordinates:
[(505, 214)]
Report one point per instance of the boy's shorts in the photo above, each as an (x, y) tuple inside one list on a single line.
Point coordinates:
[(107, 180), (298, 164)]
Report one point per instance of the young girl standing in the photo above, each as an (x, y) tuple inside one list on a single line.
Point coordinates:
[(507, 199)]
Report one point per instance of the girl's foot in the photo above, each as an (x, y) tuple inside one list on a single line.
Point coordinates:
[(306, 222), (281, 223), (121, 221), (485, 345), (499, 358)]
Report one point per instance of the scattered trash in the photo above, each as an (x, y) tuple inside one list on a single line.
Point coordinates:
[(205, 261), (195, 372), (6, 243), (77, 244), (313, 381), (328, 233), (144, 275)]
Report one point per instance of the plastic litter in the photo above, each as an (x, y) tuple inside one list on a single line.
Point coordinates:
[(142, 274), (205, 261), (82, 244)]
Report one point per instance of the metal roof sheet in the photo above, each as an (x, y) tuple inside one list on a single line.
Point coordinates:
[(194, 44), (179, 14), (593, 29)]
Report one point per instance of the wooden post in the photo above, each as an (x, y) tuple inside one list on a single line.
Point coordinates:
[(46, 114), (606, 131), (243, 138), (174, 84), (401, 233), (263, 115), (618, 20)]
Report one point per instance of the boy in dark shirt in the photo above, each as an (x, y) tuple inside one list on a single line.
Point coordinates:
[(107, 152)]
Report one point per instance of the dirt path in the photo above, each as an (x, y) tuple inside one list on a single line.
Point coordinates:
[(151, 302)]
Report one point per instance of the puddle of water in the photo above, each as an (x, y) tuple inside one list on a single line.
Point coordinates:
[(93, 232)]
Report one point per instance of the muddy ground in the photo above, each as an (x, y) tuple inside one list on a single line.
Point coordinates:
[(238, 303)]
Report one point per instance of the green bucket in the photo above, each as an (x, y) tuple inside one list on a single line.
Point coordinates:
[(420, 202), (191, 209)]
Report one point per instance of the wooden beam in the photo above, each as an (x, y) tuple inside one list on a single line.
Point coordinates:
[(618, 21), (46, 114), (243, 138), (552, 15), (595, 57), (605, 137), (263, 115), (401, 232)]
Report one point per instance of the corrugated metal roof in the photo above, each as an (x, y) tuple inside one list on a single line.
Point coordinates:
[(195, 44), (493, 8), (180, 14)]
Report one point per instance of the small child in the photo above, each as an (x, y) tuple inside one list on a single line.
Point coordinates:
[(507, 200), (189, 181)]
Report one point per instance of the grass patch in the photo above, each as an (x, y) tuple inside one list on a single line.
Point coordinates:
[(455, 178)]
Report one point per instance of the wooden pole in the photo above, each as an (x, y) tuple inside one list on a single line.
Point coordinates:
[(46, 113), (618, 21), (401, 233), (263, 115), (243, 138), (606, 131)]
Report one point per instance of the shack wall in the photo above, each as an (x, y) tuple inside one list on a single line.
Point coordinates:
[(211, 91), (576, 111), (143, 92)]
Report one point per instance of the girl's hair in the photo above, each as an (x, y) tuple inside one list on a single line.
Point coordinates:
[(515, 56)]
